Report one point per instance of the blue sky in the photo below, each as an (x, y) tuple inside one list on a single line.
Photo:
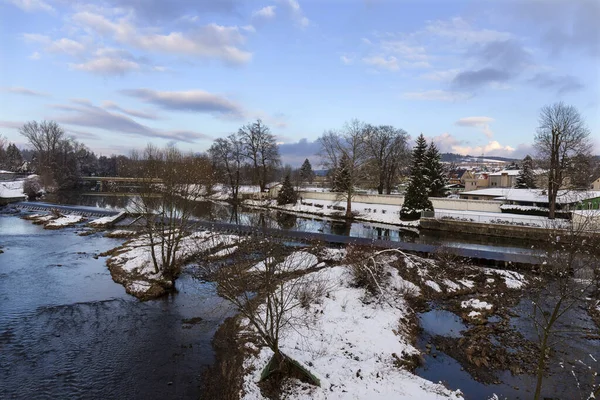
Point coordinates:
[(471, 75)]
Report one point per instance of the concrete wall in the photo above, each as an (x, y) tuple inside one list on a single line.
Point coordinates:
[(476, 228), (442, 203)]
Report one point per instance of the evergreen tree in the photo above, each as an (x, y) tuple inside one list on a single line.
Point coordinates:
[(416, 196), (14, 160), (435, 172), (306, 172), (341, 176), (287, 194), (526, 177)]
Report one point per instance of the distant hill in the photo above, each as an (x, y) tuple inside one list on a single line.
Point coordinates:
[(453, 157)]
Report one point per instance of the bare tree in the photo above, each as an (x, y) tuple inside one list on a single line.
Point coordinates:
[(571, 264), (562, 134), (169, 182), (260, 147), (348, 144), (227, 155), (387, 150), (268, 290)]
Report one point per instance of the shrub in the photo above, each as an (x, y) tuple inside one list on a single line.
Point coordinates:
[(32, 187)]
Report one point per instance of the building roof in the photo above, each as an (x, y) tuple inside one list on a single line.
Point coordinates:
[(509, 172), (534, 195)]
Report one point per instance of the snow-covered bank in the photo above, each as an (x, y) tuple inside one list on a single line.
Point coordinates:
[(54, 221), (387, 214), (104, 222), (133, 267), (12, 189), (353, 346)]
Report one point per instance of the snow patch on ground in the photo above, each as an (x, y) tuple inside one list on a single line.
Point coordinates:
[(349, 347), (512, 279), (467, 283), (451, 286), (297, 261), (63, 221), (434, 286), (476, 304)]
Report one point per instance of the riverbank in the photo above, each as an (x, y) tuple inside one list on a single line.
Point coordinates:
[(379, 213), (361, 344)]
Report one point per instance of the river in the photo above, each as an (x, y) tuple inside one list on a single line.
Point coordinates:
[(68, 331)]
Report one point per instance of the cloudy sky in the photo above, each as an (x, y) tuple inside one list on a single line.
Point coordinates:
[(472, 75)]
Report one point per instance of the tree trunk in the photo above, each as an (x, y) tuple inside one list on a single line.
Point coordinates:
[(349, 206)]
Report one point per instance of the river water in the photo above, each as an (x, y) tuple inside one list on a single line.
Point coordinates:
[(68, 331)]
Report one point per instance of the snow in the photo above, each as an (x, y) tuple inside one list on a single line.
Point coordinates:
[(350, 347), (476, 303), (509, 172), (136, 257), (329, 254), (451, 286), (297, 261), (474, 314), (500, 218), (512, 279), (11, 189), (106, 220), (534, 195), (383, 213), (64, 221), (225, 252), (433, 285), (467, 283)]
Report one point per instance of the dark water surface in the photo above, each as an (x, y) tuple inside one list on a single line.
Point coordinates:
[(68, 331)]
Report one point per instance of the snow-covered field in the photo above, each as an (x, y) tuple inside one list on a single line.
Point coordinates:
[(351, 346), (387, 214)]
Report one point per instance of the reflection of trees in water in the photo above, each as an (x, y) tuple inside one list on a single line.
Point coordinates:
[(341, 228), (78, 198), (285, 220)]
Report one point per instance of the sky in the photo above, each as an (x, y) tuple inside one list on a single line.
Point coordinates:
[(470, 75)]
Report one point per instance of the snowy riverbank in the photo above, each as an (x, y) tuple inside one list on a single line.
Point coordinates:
[(381, 213)]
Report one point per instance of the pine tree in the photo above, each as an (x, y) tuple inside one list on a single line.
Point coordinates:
[(341, 175), (14, 160), (526, 177), (416, 197), (435, 172), (287, 194), (306, 172)]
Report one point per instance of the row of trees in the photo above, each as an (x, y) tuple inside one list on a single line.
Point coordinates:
[(252, 148), (359, 152)]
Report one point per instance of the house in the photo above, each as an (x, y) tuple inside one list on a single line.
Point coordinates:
[(273, 189), (469, 180), (455, 176), (596, 184), (506, 178)]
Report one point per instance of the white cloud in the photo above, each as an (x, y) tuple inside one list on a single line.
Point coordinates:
[(107, 66), (25, 91), (442, 76), (446, 142), (493, 147), (437, 95), (461, 32), (296, 12), (265, 13), (209, 41), (35, 56), (478, 122), (347, 60), (390, 63), (67, 46), (32, 5)]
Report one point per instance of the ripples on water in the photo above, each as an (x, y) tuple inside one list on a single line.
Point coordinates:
[(68, 331)]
